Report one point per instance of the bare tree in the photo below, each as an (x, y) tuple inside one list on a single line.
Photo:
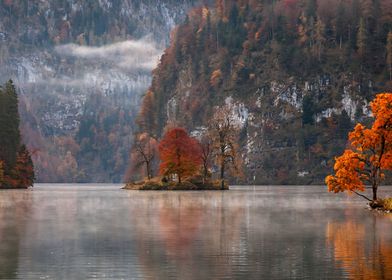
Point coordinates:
[(145, 152), (224, 136), (206, 154)]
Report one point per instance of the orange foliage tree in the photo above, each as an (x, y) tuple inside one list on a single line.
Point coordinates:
[(370, 154), (359, 261), (180, 154)]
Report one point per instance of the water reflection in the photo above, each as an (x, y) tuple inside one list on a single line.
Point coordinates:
[(362, 249), (14, 214), (84, 232), (194, 236)]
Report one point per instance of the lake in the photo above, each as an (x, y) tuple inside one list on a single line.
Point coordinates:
[(264, 232)]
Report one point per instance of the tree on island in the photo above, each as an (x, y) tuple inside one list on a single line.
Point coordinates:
[(370, 154), (179, 154), (224, 135), (145, 152), (206, 147)]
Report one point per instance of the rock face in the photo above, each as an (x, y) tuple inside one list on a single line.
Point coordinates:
[(295, 94), (81, 68)]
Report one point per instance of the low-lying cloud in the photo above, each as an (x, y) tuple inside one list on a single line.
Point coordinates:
[(140, 54)]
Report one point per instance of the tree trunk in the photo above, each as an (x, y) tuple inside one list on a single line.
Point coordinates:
[(374, 188), (148, 170), (222, 176), (205, 173)]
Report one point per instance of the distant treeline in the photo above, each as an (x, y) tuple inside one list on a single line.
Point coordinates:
[(16, 166)]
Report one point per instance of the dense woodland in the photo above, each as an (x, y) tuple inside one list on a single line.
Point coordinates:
[(16, 166), (304, 70), (78, 113)]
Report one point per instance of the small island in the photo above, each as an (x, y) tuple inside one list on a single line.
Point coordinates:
[(187, 162), (192, 184)]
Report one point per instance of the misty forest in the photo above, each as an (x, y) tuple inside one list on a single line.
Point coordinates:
[(195, 139)]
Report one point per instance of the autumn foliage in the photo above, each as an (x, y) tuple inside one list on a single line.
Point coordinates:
[(23, 173), (360, 261), (180, 154), (370, 153)]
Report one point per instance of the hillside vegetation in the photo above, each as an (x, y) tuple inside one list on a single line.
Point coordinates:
[(81, 67), (298, 73)]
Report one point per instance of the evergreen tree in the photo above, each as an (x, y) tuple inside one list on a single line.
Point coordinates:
[(354, 22), (389, 54), (311, 31), (319, 38), (9, 125), (16, 165), (361, 39), (1, 173), (344, 124), (302, 30), (341, 23), (307, 111)]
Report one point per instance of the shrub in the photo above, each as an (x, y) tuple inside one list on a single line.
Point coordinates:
[(386, 203)]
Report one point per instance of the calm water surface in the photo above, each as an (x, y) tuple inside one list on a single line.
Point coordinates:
[(272, 232)]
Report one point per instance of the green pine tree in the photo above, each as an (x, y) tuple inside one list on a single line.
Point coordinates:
[(9, 125), (361, 39), (389, 54)]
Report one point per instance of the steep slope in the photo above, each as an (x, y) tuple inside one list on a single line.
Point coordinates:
[(299, 73), (81, 67)]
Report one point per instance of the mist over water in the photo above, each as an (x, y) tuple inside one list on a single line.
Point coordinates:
[(269, 232)]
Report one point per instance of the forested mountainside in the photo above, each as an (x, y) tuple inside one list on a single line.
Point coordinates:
[(81, 68), (299, 74), (16, 165)]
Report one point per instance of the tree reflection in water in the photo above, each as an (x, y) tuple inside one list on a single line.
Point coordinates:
[(363, 252), (183, 223), (15, 210)]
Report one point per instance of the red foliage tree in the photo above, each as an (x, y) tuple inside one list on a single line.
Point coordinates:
[(180, 154)]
